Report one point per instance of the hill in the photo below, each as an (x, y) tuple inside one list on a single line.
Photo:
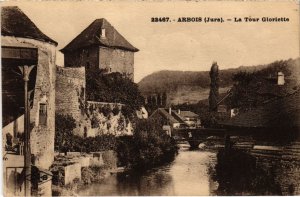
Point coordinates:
[(193, 86)]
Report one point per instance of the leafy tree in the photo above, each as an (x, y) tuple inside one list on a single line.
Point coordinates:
[(214, 87), (159, 100), (149, 146), (113, 87), (64, 125), (164, 99)]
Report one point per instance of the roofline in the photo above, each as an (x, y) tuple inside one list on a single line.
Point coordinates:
[(63, 50), (50, 41), (46, 39)]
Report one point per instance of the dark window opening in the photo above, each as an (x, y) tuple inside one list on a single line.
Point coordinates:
[(43, 114), (85, 132)]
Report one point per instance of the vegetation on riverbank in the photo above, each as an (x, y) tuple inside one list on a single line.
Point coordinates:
[(66, 141), (115, 88), (148, 147), (237, 174)]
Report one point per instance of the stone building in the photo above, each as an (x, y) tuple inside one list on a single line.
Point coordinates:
[(92, 118), (22, 43), (70, 91), (101, 46)]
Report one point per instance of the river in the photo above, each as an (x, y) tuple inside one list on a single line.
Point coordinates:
[(186, 175), (192, 172)]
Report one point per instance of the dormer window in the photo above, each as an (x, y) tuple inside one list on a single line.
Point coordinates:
[(103, 33)]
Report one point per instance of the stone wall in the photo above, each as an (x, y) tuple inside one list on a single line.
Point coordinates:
[(283, 164), (117, 60), (89, 116), (70, 91), (82, 58), (106, 118), (72, 172)]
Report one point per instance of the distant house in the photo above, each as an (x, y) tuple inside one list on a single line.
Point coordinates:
[(142, 113), (169, 117), (277, 117), (190, 118), (101, 46)]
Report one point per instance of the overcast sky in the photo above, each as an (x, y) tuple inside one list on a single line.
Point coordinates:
[(179, 46)]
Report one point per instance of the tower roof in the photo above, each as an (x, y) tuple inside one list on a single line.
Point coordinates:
[(92, 36), (15, 23)]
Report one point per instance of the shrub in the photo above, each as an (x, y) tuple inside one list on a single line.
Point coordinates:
[(237, 173), (66, 141), (64, 126), (148, 147)]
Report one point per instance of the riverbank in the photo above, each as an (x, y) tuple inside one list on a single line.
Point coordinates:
[(186, 175), (75, 170), (89, 175)]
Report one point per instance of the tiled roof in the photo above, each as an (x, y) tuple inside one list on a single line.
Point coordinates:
[(282, 112), (92, 36), (188, 114), (172, 118), (167, 115), (15, 23), (270, 87)]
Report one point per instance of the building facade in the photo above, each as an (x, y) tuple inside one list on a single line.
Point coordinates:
[(101, 46), (23, 44)]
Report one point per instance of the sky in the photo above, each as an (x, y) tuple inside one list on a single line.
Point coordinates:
[(173, 45)]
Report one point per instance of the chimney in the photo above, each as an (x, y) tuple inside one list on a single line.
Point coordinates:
[(280, 78), (170, 110), (103, 36), (178, 111)]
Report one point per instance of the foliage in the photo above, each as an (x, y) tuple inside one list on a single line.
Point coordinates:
[(66, 141), (254, 180), (92, 174), (113, 87), (244, 93), (148, 147), (214, 87), (64, 125), (179, 81), (116, 111), (155, 101)]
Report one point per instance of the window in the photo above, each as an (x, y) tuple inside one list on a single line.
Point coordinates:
[(85, 132), (122, 53), (43, 114)]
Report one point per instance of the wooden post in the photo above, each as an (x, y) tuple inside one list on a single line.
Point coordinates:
[(27, 152), (227, 143)]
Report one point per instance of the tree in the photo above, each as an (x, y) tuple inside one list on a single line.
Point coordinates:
[(164, 99), (214, 87), (159, 100), (114, 88), (149, 146), (64, 126)]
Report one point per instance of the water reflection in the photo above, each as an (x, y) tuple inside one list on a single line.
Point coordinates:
[(186, 175), (204, 172)]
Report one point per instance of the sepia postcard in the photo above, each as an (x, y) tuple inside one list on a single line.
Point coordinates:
[(150, 98)]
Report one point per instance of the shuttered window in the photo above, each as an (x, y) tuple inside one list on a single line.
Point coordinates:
[(43, 114)]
